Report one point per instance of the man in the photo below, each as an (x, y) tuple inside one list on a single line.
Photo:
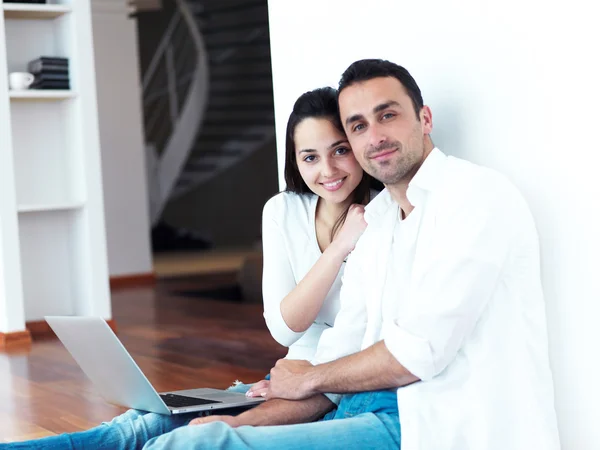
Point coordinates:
[(441, 299)]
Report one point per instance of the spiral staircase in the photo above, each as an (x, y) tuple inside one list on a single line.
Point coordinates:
[(207, 94)]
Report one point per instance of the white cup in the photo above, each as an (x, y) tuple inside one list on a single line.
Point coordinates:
[(19, 81)]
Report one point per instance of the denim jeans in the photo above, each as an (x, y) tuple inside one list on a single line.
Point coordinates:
[(367, 420), (130, 430)]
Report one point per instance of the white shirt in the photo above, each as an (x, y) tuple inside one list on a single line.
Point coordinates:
[(401, 256), (472, 325), (290, 250)]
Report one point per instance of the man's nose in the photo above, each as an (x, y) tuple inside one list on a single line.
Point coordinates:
[(376, 136)]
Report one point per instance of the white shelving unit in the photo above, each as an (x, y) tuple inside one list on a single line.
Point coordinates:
[(52, 233), (41, 95), (34, 11)]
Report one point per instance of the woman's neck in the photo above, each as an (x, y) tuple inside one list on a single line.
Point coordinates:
[(329, 212)]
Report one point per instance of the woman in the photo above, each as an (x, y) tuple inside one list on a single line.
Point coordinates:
[(308, 231)]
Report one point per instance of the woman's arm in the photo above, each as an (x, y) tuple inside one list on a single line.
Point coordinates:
[(302, 305), (299, 308)]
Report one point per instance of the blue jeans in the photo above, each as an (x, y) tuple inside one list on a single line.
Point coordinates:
[(370, 421)]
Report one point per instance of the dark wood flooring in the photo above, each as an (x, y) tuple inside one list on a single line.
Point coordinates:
[(179, 342)]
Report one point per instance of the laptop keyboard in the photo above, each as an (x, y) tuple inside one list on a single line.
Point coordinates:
[(179, 401)]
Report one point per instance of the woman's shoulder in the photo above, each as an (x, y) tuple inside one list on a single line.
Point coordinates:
[(285, 203)]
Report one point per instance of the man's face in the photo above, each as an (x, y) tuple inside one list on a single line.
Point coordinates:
[(386, 135)]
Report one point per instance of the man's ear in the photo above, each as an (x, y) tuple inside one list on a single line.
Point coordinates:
[(426, 119)]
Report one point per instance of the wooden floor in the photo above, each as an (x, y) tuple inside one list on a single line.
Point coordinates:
[(179, 342)]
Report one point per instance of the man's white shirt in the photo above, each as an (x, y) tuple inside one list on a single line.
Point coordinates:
[(463, 311)]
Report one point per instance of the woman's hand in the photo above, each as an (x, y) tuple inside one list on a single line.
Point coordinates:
[(259, 389), (229, 420), (354, 226)]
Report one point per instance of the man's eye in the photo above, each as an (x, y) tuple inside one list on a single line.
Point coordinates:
[(387, 116), (358, 127)]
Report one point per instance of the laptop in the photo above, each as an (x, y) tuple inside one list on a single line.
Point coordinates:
[(106, 362)]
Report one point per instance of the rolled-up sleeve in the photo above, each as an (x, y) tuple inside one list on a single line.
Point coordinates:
[(451, 290), (278, 278)]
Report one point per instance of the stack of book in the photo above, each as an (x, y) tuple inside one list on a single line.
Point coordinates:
[(51, 72)]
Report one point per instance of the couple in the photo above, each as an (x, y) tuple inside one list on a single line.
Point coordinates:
[(439, 340)]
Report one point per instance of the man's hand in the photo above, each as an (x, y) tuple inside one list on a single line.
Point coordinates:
[(291, 379), (229, 420)]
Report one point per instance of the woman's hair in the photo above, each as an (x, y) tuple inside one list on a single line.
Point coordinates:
[(318, 104)]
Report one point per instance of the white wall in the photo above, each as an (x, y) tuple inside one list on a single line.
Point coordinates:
[(121, 138), (513, 85)]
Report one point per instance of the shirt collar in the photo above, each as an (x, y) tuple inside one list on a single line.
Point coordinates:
[(427, 178)]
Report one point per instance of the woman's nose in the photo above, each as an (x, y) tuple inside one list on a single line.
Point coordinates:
[(328, 169)]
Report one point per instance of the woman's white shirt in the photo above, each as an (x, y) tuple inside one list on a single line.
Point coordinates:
[(290, 250)]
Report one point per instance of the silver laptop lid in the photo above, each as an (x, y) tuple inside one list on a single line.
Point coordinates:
[(106, 362)]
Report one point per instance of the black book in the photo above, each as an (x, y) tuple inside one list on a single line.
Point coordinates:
[(51, 77), (51, 85), (39, 67), (54, 60), (44, 62)]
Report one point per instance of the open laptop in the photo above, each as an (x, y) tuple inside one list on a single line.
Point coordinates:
[(104, 359)]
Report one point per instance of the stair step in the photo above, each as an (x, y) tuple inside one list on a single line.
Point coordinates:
[(237, 35), (198, 166), (236, 92), (212, 152), (218, 56), (231, 5), (257, 15), (246, 69), (235, 11), (198, 159), (257, 108), (243, 59), (249, 43), (208, 29), (241, 122), (241, 84), (225, 116), (242, 76), (229, 135)]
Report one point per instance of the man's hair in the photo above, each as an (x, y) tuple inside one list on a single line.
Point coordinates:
[(367, 69)]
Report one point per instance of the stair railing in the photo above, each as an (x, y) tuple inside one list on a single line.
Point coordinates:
[(175, 97)]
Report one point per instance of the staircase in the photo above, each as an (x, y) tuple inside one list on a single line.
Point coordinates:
[(239, 118), (236, 116)]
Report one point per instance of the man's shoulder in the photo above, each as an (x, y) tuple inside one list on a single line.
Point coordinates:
[(470, 181), (477, 193)]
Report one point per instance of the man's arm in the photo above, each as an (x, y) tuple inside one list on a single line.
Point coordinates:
[(371, 369), (447, 297), (276, 412)]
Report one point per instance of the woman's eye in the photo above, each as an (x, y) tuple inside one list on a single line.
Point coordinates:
[(309, 158), (342, 150)]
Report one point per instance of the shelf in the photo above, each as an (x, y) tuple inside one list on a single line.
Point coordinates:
[(34, 11), (41, 95), (51, 207)]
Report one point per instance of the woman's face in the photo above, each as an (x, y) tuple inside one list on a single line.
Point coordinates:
[(325, 160)]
